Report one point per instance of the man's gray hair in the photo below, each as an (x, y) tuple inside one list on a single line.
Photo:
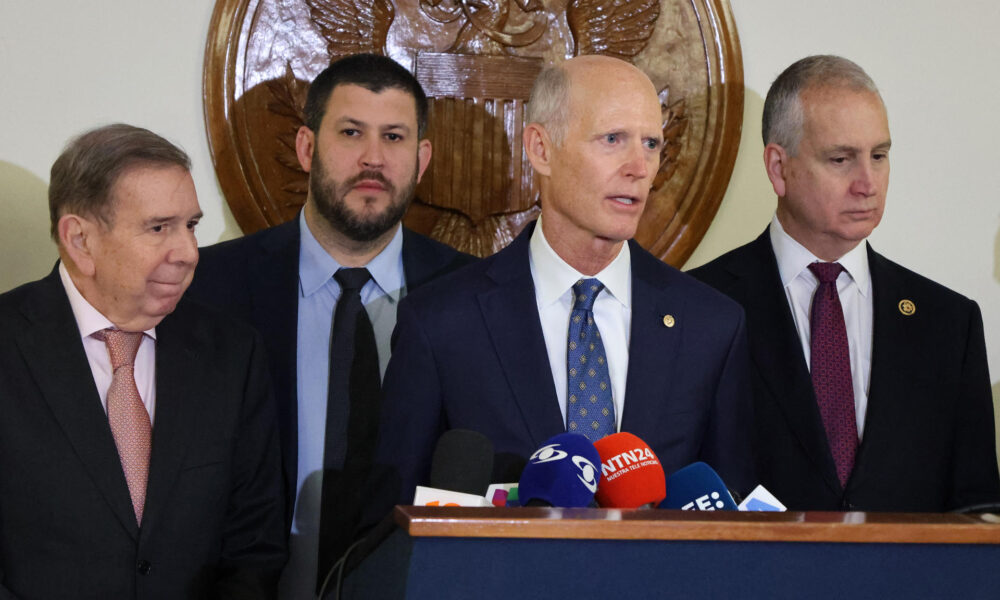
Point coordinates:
[(549, 103), (783, 118), (84, 175)]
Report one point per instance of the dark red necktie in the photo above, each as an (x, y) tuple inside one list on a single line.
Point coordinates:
[(830, 366)]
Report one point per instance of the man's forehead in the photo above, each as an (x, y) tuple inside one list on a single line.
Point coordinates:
[(158, 192), (353, 102)]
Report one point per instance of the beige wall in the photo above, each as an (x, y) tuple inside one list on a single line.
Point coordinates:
[(66, 66)]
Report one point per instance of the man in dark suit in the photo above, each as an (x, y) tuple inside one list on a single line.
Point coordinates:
[(98, 356), (911, 428), (363, 148), (488, 350)]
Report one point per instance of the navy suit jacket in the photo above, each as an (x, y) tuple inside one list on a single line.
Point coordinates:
[(213, 520), (928, 441), (470, 354), (256, 278)]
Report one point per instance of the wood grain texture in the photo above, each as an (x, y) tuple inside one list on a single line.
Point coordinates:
[(618, 524)]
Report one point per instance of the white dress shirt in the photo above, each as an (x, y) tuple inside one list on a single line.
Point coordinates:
[(854, 285), (554, 280), (90, 321)]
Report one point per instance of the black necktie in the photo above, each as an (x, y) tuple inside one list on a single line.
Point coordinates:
[(355, 391)]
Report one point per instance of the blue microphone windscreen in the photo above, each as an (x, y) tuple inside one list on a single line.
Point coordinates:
[(697, 487), (563, 472)]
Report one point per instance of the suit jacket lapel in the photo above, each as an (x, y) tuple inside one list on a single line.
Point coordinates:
[(511, 316), (889, 331), (777, 352), (274, 295), (56, 358), (179, 368), (422, 260), (652, 346)]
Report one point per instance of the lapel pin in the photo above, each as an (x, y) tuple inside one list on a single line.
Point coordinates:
[(668, 320), (907, 307)]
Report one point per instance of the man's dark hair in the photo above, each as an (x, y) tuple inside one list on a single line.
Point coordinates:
[(373, 72), (84, 175)]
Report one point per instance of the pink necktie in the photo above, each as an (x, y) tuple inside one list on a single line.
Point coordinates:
[(830, 367), (127, 415)]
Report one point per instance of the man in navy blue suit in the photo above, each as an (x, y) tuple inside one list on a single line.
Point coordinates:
[(364, 149), (486, 349)]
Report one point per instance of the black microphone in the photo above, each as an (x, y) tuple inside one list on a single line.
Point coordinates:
[(462, 462)]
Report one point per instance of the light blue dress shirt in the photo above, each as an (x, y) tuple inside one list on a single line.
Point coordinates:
[(318, 295)]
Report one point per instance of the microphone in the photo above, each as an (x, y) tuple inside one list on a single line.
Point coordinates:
[(462, 462), (563, 473), (697, 487), (461, 468), (632, 476)]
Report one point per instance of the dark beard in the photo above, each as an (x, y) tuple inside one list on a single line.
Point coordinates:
[(329, 199)]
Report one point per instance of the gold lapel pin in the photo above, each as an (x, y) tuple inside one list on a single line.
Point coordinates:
[(668, 320), (907, 307)]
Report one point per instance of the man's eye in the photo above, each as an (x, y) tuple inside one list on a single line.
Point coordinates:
[(611, 138), (838, 160), (652, 144), (393, 137), (192, 224), (157, 228), (351, 132), (880, 156)]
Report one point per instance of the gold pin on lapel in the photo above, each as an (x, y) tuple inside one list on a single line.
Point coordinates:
[(907, 307), (668, 320)]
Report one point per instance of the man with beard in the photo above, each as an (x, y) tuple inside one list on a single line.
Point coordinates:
[(361, 144)]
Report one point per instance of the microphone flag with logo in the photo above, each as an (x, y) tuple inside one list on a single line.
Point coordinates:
[(563, 472), (697, 487), (631, 475)]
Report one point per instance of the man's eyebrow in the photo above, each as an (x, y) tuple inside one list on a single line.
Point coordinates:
[(165, 219)]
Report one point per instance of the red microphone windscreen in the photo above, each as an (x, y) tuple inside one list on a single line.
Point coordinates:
[(631, 474)]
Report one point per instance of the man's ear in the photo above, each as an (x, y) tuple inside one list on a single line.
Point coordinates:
[(423, 157), (538, 146), (776, 165), (305, 141), (76, 238)]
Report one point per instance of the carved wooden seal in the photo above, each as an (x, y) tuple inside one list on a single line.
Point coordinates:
[(477, 60)]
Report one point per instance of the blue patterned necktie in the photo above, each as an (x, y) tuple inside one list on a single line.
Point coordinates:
[(589, 406)]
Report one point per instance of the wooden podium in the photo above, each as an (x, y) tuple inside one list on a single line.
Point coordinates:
[(524, 553)]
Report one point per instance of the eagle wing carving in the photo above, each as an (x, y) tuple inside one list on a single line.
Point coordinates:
[(352, 27), (619, 28)]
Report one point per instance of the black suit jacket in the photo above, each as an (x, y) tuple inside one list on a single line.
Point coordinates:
[(928, 441), (212, 525), (470, 354), (256, 278)]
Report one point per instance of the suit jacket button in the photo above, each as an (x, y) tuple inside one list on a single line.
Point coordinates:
[(143, 567)]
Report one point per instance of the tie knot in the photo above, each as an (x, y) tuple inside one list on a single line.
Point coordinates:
[(585, 292), (353, 278), (826, 272), (122, 345)]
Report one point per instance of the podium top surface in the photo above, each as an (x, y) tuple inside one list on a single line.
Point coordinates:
[(629, 524)]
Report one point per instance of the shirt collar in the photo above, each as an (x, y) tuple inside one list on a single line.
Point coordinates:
[(316, 266), (88, 319), (554, 276), (794, 258)]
